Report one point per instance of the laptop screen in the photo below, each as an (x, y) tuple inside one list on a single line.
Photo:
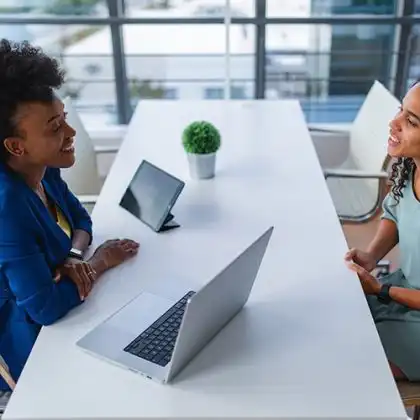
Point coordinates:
[(151, 194)]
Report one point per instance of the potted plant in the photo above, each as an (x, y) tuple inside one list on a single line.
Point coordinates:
[(201, 141)]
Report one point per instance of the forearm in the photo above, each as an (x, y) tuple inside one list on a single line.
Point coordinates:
[(385, 239), (81, 240), (406, 297)]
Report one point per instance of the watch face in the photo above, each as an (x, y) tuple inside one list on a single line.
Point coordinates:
[(76, 253)]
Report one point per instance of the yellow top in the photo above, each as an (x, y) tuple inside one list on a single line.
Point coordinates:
[(62, 222)]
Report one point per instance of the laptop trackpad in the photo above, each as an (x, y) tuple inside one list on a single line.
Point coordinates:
[(140, 313)]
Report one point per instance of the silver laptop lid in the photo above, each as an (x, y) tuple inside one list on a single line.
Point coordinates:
[(215, 304)]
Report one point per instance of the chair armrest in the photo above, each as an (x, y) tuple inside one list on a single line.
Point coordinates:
[(381, 176), (5, 374), (383, 267), (106, 149), (87, 199), (330, 128), (354, 173)]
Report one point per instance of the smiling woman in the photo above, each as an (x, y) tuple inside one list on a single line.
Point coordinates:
[(44, 229), (404, 141), (394, 300)]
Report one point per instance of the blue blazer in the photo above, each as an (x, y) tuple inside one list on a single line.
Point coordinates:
[(32, 245)]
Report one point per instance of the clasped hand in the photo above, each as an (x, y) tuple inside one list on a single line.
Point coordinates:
[(80, 272), (108, 255), (362, 263)]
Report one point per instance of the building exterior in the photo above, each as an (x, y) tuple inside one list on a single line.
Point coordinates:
[(190, 61), (328, 67)]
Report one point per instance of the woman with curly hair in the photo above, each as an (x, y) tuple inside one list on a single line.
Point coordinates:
[(394, 300), (44, 229)]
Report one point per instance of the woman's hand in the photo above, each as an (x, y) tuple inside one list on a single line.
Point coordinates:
[(80, 272), (112, 253), (370, 284), (361, 258)]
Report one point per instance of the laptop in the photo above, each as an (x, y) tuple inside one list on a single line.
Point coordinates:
[(151, 195), (157, 337)]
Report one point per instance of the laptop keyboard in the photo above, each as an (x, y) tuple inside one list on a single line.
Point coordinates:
[(157, 342)]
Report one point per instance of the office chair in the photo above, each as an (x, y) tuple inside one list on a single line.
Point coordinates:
[(410, 395), (83, 177), (359, 186), (5, 395)]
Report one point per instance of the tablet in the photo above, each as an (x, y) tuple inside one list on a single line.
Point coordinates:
[(151, 195)]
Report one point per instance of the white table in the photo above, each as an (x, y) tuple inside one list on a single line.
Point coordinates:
[(305, 344)]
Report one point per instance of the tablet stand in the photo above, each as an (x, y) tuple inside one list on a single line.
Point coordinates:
[(169, 223)]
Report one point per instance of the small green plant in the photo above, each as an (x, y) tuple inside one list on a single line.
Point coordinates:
[(201, 137)]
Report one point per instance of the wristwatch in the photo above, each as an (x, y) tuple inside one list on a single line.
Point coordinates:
[(76, 253), (383, 295)]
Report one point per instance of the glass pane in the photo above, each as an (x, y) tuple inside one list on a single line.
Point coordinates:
[(189, 8), (55, 7), (414, 63), (90, 76), (188, 61), (305, 8), (330, 68), (85, 54), (242, 61)]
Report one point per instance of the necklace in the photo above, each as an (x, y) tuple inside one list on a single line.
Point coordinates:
[(40, 191)]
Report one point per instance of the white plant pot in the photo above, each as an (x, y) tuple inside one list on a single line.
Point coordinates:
[(202, 166)]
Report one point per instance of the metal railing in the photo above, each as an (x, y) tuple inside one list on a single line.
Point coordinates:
[(332, 91), (186, 76)]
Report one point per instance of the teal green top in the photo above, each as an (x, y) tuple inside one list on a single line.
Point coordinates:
[(406, 215), (399, 326)]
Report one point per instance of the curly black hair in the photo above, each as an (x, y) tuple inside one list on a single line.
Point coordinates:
[(400, 173), (401, 170), (26, 75)]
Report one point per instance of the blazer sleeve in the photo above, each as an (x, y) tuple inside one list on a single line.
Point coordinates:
[(28, 274), (80, 216)]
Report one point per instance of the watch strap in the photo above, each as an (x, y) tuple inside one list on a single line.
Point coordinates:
[(383, 295)]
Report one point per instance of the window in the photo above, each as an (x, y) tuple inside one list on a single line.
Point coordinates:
[(330, 68), (213, 93), (236, 92), (191, 9), (55, 7), (88, 64), (171, 93)]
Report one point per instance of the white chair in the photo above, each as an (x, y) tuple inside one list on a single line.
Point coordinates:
[(83, 177), (359, 186)]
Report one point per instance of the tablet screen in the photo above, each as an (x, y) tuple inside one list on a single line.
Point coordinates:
[(151, 194)]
